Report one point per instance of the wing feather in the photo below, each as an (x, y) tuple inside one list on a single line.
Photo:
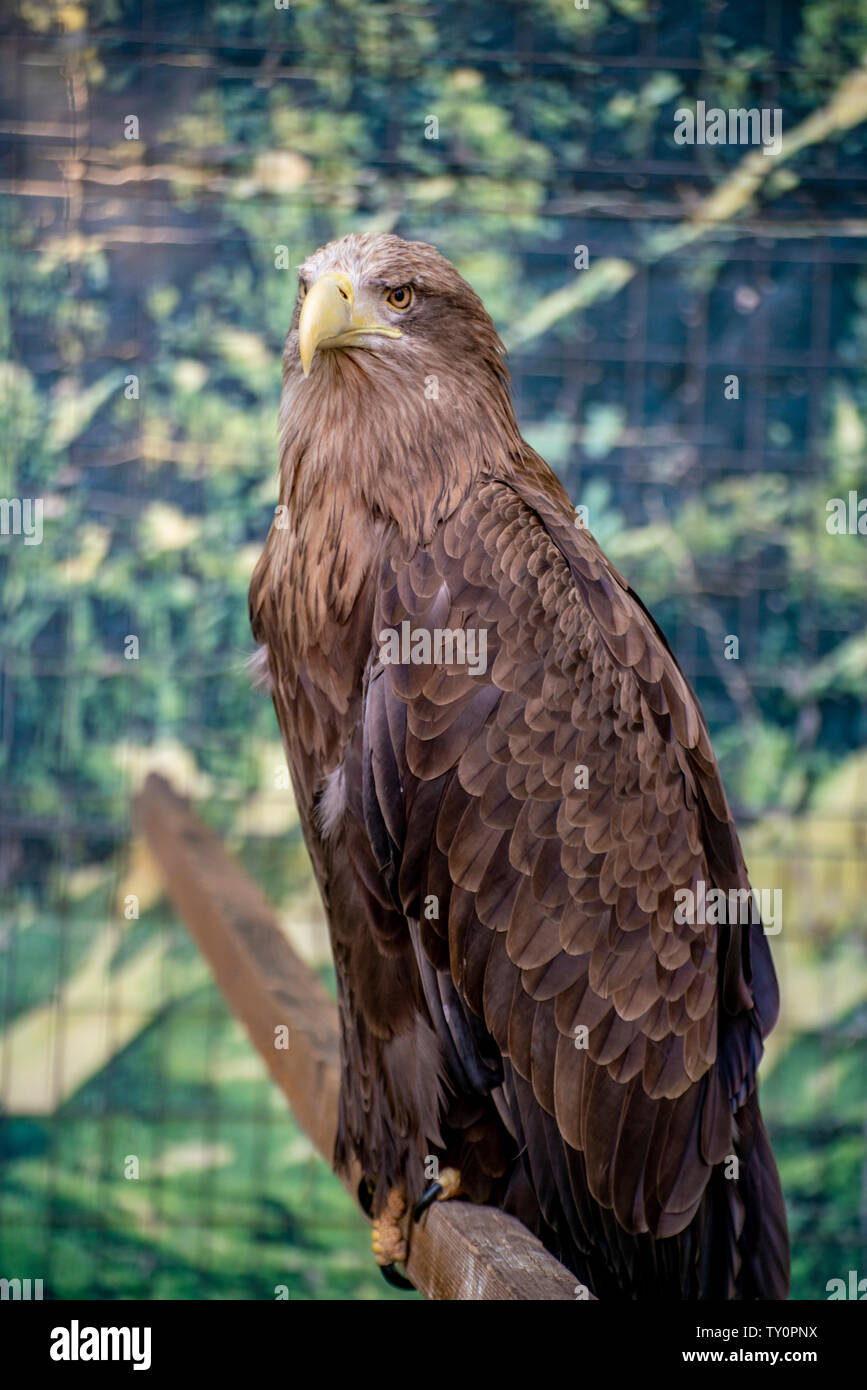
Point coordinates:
[(555, 804)]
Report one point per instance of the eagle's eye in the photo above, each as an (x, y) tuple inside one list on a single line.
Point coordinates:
[(400, 298)]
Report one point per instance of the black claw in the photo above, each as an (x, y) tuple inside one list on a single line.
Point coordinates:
[(392, 1275), (426, 1200), (365, 1196)]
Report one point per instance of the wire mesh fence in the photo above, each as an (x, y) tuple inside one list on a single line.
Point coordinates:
[(686, 330)]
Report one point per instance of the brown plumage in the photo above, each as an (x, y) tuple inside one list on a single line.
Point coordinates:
[(487, 899)]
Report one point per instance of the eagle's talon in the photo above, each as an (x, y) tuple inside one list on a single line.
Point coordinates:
[(392, 1275), (447, 1185), (426, 1200)]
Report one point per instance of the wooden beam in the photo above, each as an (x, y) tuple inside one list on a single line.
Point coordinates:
[(459, 1251)]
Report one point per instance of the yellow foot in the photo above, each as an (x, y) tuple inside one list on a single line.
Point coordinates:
[(387, 1239), (447, 1185), (450, 1182)]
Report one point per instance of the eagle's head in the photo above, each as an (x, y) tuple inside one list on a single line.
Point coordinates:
[(395, 391), (387, 305)]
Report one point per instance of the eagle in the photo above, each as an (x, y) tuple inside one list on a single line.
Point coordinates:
[(551, 998)]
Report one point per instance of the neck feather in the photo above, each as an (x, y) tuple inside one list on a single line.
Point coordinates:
[(391, 439)]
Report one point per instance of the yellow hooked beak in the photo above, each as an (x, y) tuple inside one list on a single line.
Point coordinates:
[(331, 318)]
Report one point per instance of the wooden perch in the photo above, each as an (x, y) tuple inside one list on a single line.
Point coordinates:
[(459, 1251)]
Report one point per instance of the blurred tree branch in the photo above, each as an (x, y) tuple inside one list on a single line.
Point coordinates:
[(847, 108)]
